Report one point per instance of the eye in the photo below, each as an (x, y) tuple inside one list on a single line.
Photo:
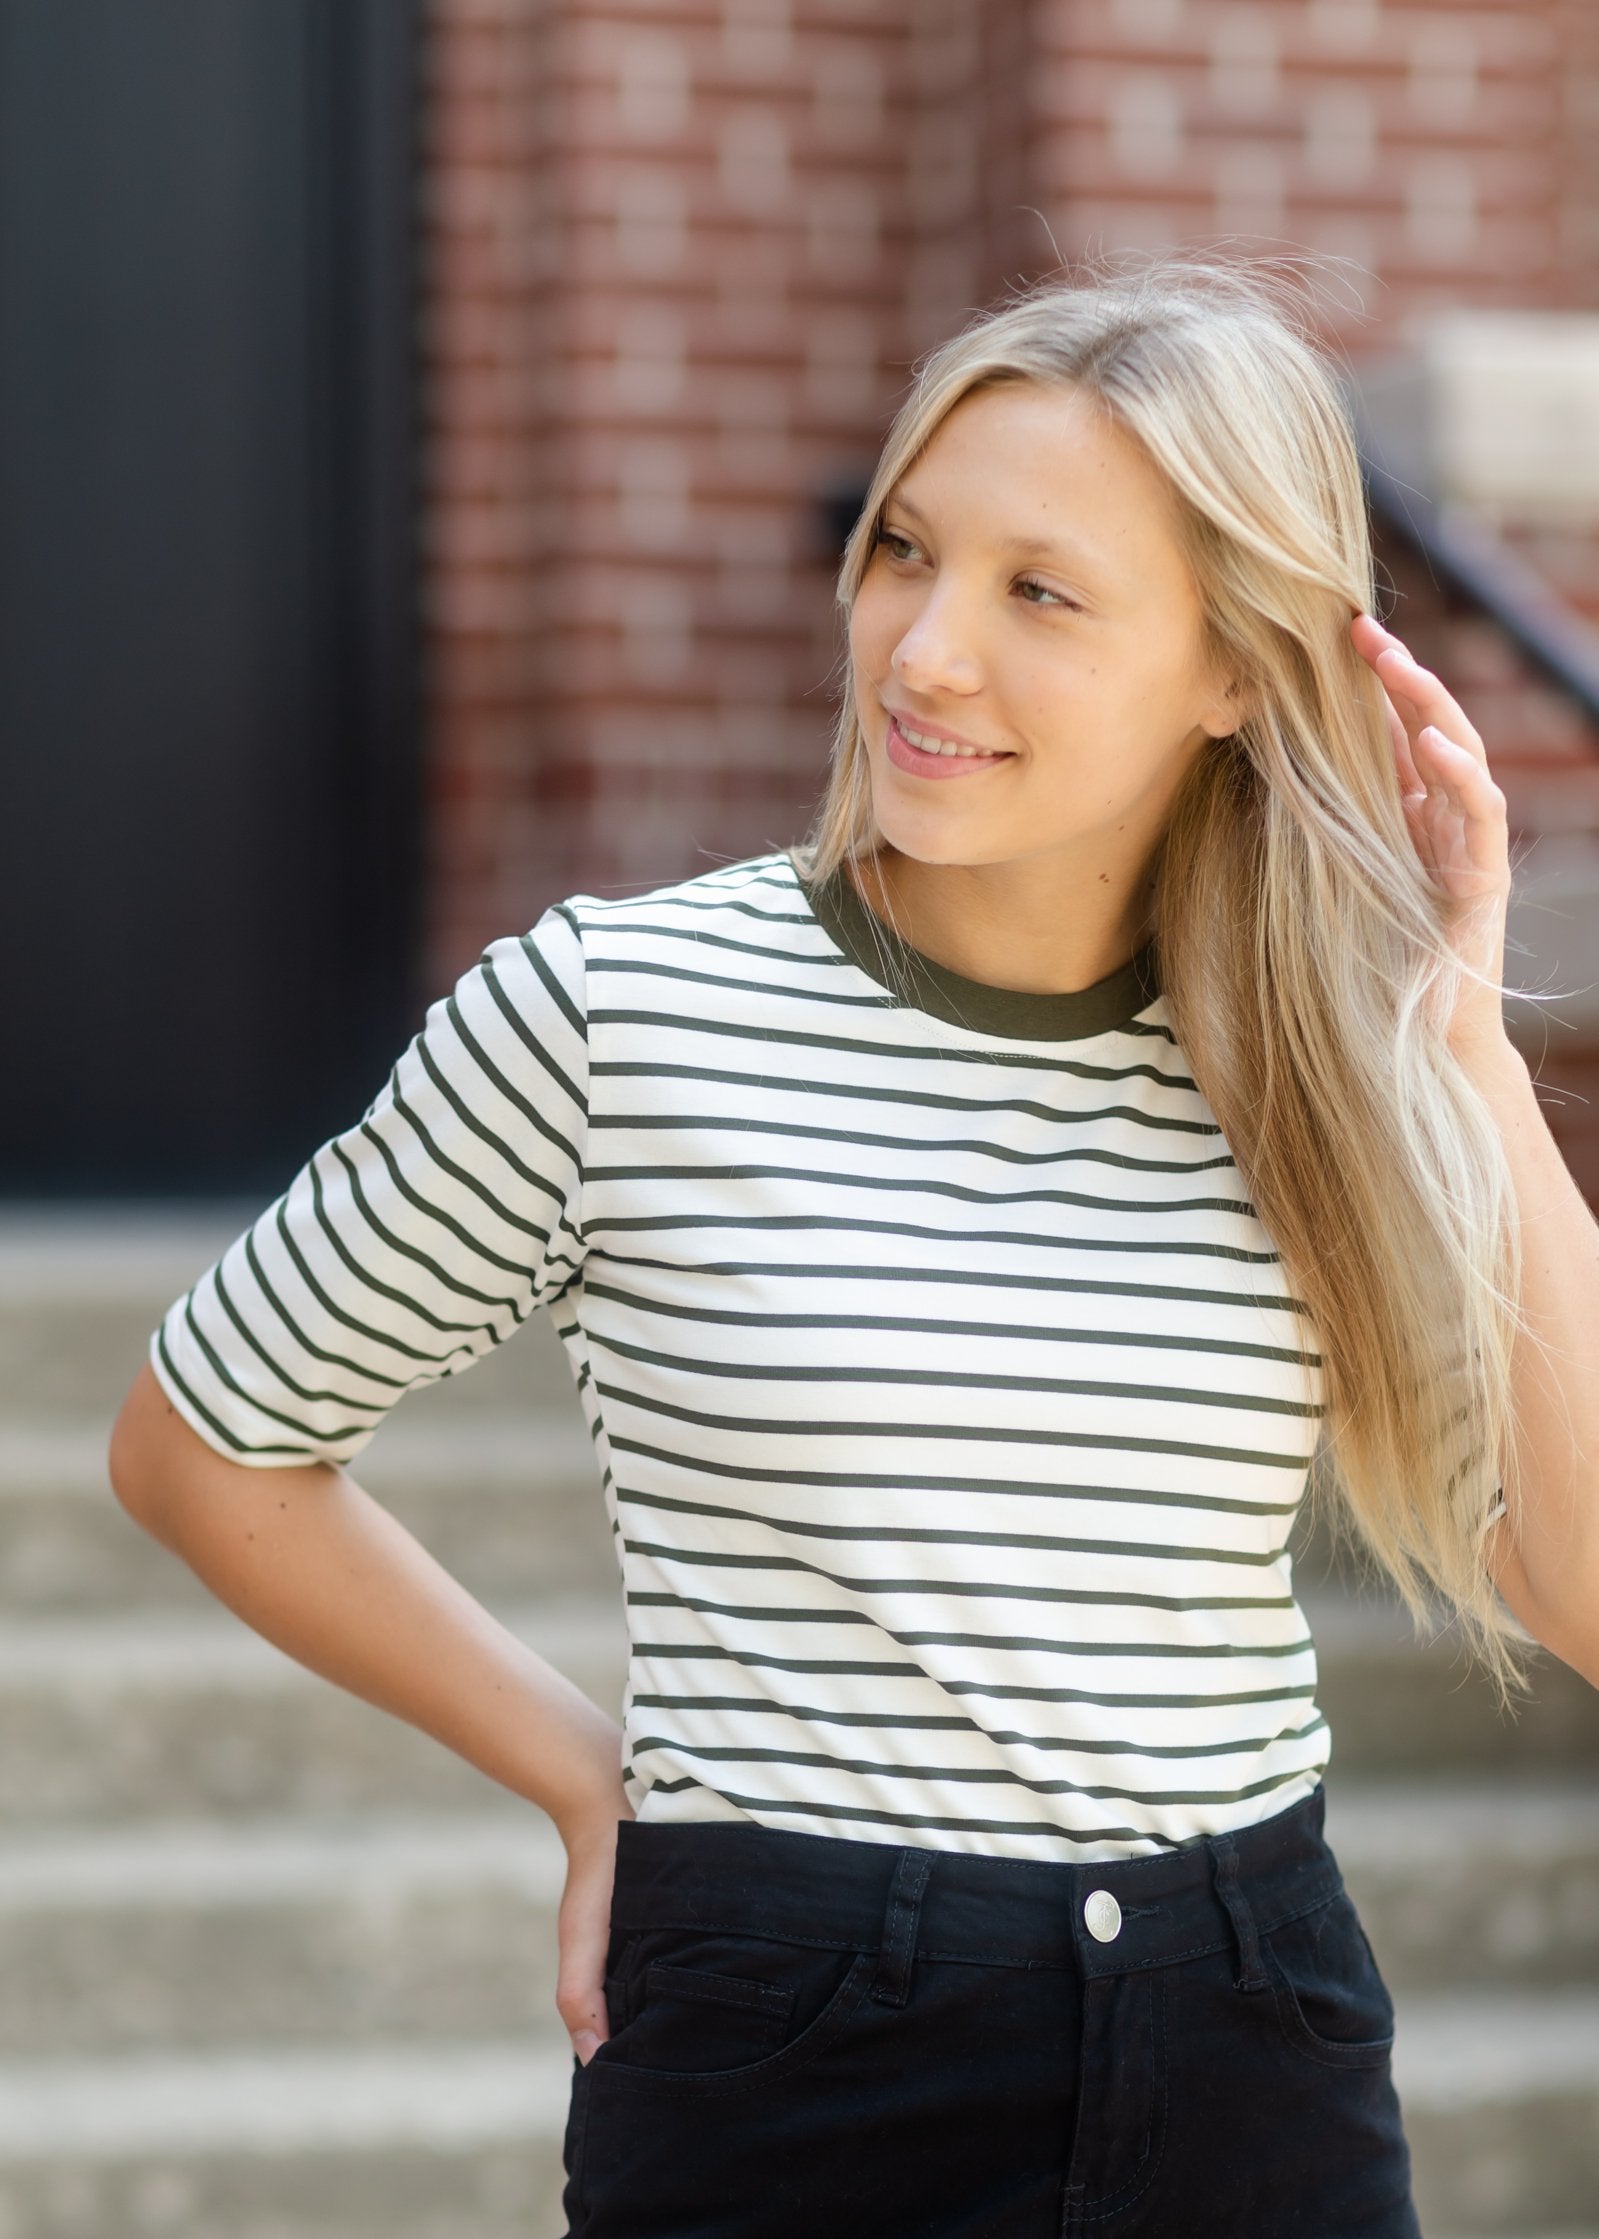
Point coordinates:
[(1045, 594), (892, 538)]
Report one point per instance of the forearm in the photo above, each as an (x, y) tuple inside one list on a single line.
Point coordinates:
[(1548, 1569), (315, 1565)]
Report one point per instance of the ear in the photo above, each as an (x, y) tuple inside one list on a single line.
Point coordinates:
[(1226, 709)]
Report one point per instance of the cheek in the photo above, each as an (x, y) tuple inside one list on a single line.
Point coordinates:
[(871, 636)]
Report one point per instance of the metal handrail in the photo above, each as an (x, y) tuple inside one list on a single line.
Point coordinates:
[(1462, 551)]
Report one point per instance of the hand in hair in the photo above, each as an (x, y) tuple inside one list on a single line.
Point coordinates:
[(1456, 815)]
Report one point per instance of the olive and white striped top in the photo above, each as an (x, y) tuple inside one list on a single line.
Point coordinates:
[(950, 1406)]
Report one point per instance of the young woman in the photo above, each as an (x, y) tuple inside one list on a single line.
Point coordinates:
[(963, 1229)]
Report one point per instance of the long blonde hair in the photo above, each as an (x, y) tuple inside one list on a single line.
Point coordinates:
[(1302, 948)]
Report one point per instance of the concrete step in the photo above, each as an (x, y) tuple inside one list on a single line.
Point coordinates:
[(1472, 1884), (188, 1713), (372, 1928), (1501, 2102), (1399, 1705), (375, 2144), (509, 1502)]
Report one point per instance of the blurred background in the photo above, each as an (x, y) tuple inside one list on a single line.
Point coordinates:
[(427, 430)]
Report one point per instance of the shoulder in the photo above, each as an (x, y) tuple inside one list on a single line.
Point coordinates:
[(709, 954), (751, 908), (762, 890)]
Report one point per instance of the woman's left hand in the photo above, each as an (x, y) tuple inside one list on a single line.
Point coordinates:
[(1456, 815)]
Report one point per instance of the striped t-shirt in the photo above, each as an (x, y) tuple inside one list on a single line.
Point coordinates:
[(951, 1410)]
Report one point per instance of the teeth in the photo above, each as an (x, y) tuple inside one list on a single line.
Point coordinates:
[(941, 746)]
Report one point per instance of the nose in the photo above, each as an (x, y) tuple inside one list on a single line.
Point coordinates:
[(938, 652)]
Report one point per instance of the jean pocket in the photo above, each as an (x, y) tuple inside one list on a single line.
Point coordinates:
[(703, 2009), (1331, 1999)]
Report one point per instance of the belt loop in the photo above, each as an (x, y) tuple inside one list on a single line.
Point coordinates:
[(1225, 1859), (892, 1982)]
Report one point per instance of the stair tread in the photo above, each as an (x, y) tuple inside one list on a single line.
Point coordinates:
[(1456, 2050), (367, 1857), (1392, 1822), (460, 2095), (68, 1461), (183, 1647)]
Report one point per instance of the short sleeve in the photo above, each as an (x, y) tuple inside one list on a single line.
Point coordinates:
[(410, 1245)]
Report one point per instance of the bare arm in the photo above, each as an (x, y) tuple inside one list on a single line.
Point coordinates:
[(315, 1565)]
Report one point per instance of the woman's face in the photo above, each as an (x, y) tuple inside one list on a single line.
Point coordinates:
[(1028, 595)]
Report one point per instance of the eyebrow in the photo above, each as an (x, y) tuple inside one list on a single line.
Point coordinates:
[(1028, 547)]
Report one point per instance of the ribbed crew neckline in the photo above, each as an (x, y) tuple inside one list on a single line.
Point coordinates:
[(916, 981)]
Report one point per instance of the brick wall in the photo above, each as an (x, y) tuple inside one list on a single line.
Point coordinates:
[(1447, 148), (678, 261)]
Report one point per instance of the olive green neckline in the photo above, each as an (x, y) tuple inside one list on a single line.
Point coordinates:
[(914, 979)]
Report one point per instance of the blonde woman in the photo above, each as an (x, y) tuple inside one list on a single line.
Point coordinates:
[(963, 1229)]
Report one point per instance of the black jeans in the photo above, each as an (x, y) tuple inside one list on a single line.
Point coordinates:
[(823, 2039)]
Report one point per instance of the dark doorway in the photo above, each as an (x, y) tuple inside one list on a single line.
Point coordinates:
[(207, 637)]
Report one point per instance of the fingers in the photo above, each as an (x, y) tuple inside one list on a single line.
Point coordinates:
[(584, 1930), (580, 1987), (1415, 688)]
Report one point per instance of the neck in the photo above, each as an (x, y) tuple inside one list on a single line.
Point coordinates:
[(1009, 924)]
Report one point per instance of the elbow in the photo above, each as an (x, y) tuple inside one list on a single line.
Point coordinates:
[(139, 1458)]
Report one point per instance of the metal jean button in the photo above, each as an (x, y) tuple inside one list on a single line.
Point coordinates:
[(1102, 1916)]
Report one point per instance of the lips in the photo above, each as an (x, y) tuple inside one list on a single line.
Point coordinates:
[(915, 761)]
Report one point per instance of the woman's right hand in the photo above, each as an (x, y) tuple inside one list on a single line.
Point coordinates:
[(584, 1923)]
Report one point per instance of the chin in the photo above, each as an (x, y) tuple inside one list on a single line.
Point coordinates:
[(949, 847)]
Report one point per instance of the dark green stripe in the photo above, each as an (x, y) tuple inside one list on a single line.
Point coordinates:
[(839, 1667), (813, 1714), (976, 1589), (966, 1433), (553, 987), (330, 1307), (855, 1812), (464, 1179), (413, 1196), (690, 1125), (370, 1281), (1082, 1285), (396, 1384), (507, 1088), (301, 1391), (922, 1100), (766, 990), (873, 1374), (716, 904), (766, 951), (530, 1041), (1052, 1645), (858, 1050), (1070, 1154), (917, 1534), (860, 1482), (239, 1445), (486, 1134), (985, 1776), (229, 1382)]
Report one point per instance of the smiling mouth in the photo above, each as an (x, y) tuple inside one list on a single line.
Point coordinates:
[(929, 760), (924, 743)]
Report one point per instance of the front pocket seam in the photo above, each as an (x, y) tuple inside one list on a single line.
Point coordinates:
[(1332, 2052), (717, 1990), (702, 2083)]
